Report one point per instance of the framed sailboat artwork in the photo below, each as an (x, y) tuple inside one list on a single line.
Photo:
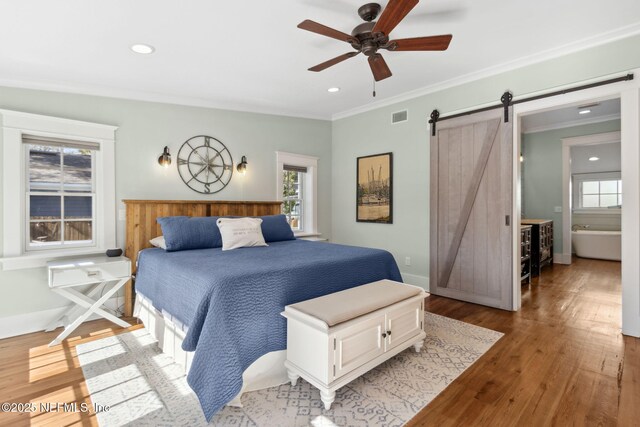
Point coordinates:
[(374, 190)]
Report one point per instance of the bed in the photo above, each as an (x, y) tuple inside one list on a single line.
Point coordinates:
[(222, 308)]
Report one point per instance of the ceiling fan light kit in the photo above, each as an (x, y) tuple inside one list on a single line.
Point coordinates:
[(371, 36)]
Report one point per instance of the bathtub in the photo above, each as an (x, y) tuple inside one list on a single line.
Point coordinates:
[(597, 244)]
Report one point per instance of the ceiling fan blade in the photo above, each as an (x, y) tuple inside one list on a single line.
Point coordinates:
[(391, 16), (379, 67), (421, 43), (333, 61), (323, 30)]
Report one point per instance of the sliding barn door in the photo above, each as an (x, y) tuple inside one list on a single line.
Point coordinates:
[(471, 206)]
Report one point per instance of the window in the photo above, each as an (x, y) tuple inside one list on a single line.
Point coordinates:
[(293, 195), (58, 196), (601, 194), (597, 191), (297, 186)]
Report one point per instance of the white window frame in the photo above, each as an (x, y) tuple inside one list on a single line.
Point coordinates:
[(578, 179), (15, 125), (309, 192)]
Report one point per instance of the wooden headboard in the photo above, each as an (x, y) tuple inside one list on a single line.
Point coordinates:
[(141, 225)]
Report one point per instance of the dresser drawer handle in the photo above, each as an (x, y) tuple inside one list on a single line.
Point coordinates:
[(93, 273)]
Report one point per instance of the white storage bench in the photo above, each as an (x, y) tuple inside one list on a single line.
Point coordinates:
[(333, 339)]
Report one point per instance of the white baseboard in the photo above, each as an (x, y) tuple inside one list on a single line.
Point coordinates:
[(27, 323), (413, 279), (562, 259)]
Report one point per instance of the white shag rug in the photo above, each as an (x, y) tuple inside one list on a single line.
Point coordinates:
[(143, 387)]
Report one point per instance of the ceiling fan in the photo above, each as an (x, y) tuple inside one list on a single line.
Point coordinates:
[(371, 36)]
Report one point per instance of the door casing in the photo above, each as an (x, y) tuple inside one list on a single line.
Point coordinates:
[(629, 94)]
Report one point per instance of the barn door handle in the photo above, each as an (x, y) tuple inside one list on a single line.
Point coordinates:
[(507, 220)]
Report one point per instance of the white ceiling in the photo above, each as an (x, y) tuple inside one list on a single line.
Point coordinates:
[(569, 116), (249, 55), (609, 158)]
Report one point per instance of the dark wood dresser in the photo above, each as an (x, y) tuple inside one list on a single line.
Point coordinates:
[(525, 253), (541, 243)]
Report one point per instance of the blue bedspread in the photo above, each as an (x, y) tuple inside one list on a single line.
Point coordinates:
[(231, 301)]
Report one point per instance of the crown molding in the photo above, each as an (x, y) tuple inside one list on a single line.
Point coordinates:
[(572, 123), (577, 46), (143, 96)]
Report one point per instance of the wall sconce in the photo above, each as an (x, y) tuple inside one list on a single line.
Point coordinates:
[(242, 166), (165, 158)]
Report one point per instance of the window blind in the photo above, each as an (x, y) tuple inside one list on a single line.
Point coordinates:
[(292, 168), (60, 142)]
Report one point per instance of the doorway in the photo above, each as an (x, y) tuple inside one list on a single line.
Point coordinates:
[(570, 197), (629, 95), (592, 193)]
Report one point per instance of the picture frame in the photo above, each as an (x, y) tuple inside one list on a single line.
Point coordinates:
[(374, 188)]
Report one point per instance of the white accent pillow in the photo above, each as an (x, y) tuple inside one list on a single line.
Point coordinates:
[(158, 242), (240, 232)]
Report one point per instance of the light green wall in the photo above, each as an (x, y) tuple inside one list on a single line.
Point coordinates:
[(371, 132), (144, 129), (542, 172)]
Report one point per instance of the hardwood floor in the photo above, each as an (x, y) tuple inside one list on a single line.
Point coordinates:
[(562, 361), (33, 372)]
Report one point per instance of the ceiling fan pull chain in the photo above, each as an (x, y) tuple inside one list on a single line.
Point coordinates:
[(374, 88)]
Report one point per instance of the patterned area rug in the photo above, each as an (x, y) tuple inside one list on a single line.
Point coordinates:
[(143, 387)]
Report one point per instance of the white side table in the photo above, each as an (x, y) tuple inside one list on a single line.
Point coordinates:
[(98, 271)]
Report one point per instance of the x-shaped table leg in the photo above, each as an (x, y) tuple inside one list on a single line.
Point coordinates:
[(73, 310), (91, 306)]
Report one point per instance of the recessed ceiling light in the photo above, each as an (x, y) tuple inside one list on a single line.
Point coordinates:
[(333, 89), (143, 49), (594, 159), (585, 111)]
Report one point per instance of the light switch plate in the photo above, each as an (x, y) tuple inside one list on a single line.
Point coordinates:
[(557, 209)]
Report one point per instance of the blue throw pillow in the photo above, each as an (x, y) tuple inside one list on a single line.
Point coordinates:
[(184, 232), (275, 228)]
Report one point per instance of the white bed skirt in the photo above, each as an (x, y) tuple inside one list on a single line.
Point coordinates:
[(267, 371)]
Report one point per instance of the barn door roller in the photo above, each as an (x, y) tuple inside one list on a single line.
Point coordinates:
[(506, 99), (435, 115)]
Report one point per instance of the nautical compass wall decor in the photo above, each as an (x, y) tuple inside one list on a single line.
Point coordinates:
[(205, 164)]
